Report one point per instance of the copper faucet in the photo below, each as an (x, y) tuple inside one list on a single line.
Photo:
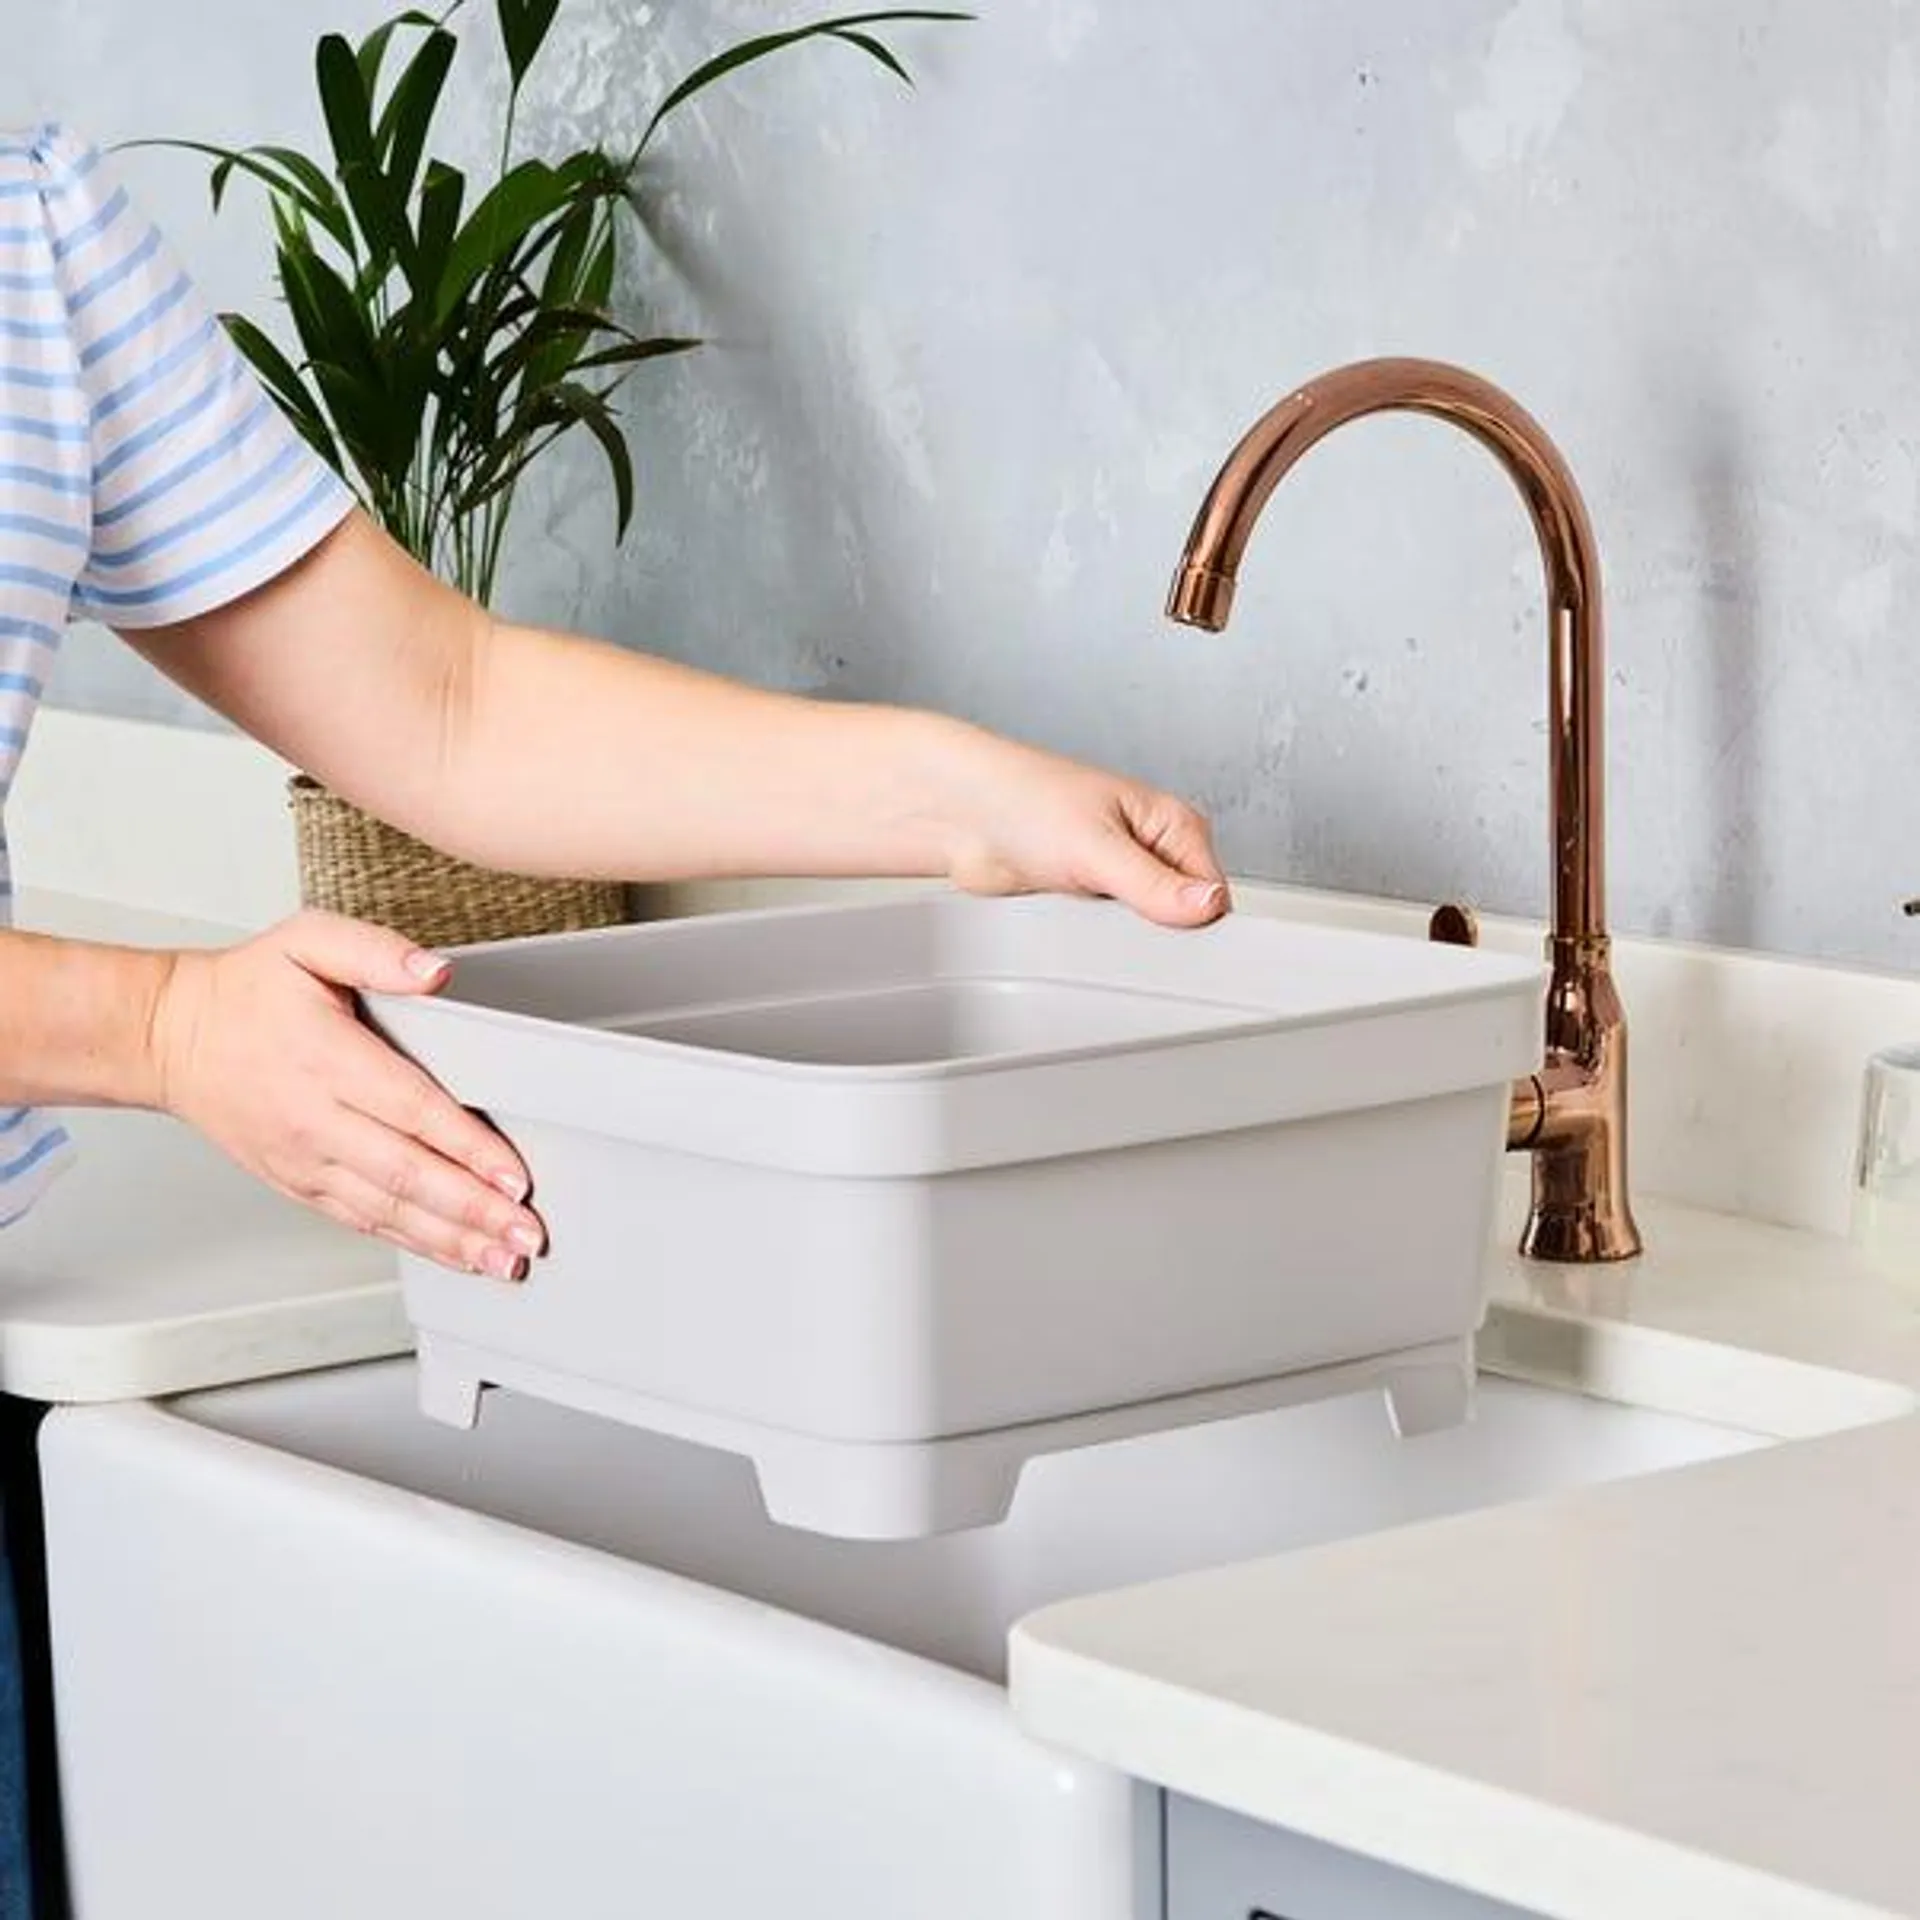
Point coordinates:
[(1572, 1114)]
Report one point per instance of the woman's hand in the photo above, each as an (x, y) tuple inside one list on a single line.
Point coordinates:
[(260, 1049), (1020, 821)]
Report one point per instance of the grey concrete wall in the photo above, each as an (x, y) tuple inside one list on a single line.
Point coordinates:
[(978, 349)]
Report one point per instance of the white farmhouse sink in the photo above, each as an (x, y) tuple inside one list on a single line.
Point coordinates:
[(317, 1656)]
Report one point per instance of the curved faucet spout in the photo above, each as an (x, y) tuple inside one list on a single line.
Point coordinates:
[(1202, 593), (1572, 1115)]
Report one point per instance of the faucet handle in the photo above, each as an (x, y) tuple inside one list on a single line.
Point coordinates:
[(1454, 925)]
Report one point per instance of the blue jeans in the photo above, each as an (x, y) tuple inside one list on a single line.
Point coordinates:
[(16, 1869)]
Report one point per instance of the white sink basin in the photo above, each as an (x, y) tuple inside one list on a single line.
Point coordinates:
[(1102, 1518), (303, 1689)]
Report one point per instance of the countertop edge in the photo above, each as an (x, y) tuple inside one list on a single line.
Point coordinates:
[(1444, 1826), (1747, 1389), (85, 1365)]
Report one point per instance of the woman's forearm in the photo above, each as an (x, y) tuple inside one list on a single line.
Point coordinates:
[(567, 756), (78, 1021), (523, 749)]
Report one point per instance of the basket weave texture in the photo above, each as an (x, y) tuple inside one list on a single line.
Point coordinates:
[(352, 863)]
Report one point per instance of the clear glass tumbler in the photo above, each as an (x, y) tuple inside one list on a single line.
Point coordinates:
[(1886, 1186)]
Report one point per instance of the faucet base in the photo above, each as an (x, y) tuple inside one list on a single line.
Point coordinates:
[(1579, 1235), (1571, 1116)]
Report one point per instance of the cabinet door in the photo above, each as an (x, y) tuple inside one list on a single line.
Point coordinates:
[(1220, 1866)]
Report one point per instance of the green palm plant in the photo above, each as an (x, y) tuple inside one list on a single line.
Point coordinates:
[(442, 348)]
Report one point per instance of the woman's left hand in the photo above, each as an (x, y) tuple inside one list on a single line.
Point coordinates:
[(1021, 821)]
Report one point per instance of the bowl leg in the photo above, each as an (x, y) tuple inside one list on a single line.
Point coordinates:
[(1433, 1395), (449, 1392)]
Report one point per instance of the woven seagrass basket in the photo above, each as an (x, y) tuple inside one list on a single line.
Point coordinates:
[(354, 864)]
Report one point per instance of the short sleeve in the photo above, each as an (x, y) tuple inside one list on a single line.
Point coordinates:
[(201, 489)]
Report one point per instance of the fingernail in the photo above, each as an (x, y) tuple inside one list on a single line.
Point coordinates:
[(425, 965), (498, 1263), (526, 1238), (512, 1182), (1203, 895)]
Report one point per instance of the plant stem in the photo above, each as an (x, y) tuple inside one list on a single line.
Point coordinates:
[(506, 131), (493, 538)]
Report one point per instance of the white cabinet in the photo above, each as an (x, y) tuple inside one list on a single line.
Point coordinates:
[(292, 1692), (1220, 1866)]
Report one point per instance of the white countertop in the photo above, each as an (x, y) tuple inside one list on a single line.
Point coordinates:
[(1691, 1695), (154, 1265)]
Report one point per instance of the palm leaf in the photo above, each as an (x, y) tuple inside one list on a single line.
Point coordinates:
[(283, 381), (400, 134), (629, 353), (318, 189), (372, 51), (523, 26), (339, 344), (518, 201), (551, 414), (441, 194), (377, 205), (596, 279), (877, 50), (303, 183), (356, 408), (845, 28)]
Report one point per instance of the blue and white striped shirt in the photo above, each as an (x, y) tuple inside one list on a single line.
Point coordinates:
[(144, 475)]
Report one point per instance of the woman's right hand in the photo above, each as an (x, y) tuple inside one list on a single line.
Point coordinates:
[(259, 1047)]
